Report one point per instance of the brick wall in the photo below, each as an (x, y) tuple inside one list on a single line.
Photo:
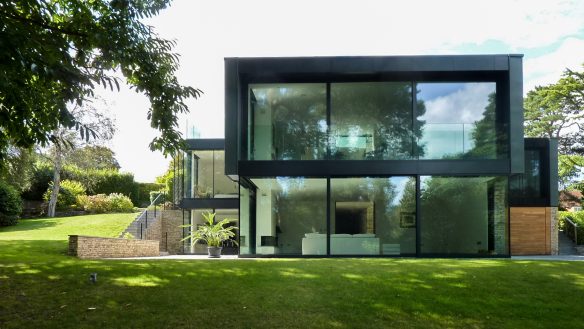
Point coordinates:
[(554, 246), (171, 232), (97, 247)]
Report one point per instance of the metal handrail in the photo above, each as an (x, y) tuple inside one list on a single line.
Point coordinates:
[(575, 225), (143, 217)]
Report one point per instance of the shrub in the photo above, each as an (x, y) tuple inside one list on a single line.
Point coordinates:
[(68, 192), (10, 205), (120, 203), (102, 203)]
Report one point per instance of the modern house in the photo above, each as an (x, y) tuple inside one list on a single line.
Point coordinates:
[(376, 156)]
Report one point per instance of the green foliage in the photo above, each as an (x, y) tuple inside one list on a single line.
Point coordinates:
[(54, 53), (119, 203), (154, 195), (102, 203), (42, 175), (578, 218), (552, 111), (18, 168), (145, 191), (557, 111), (69, 190), (93, 157), (211, 233), (10, 205)]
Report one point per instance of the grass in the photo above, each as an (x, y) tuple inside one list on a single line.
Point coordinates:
[(41, 287)]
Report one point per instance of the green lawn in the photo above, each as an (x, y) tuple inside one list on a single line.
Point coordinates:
[(41, 287)]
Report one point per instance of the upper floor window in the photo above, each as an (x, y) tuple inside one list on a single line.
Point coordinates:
[(383, 120)]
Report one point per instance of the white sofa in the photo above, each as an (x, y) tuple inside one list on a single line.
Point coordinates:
[(341, 244)]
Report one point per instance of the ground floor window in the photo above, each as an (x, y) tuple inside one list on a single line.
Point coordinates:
[(374, 216)]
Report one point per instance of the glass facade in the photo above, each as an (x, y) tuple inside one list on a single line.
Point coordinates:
[(287, 121), (529, 184), (205, 175), (373, 216), (463, 215), (288, 211), (371, 120), (458, 121), (375, 121), (196, 219)]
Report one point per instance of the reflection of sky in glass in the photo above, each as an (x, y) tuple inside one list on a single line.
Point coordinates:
[(452, 109), (454, 102)]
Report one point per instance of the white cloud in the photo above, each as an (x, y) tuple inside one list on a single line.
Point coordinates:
[(548, 68), (465, 105)]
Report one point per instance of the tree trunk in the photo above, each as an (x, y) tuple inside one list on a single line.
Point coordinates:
[(56, 182)]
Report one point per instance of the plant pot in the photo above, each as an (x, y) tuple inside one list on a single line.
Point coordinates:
[(214, 252)]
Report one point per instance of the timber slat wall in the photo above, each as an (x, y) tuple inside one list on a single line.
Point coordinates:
[(530, 230)]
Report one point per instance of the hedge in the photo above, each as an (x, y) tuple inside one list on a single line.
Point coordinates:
[(576, 217)]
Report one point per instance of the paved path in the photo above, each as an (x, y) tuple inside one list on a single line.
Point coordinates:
[(234, 257)]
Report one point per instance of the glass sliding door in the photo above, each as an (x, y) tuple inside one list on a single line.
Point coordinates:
[(373, 216), (464, 215), (290, 216)]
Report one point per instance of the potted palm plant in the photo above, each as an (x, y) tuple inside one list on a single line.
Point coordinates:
[(213, 234)]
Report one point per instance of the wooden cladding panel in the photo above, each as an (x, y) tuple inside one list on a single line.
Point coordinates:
[(530, 230)]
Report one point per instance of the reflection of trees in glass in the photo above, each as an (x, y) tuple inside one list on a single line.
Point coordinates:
[(298, 207), (376, 118), (455, 214), (485, 135), (298, 119)]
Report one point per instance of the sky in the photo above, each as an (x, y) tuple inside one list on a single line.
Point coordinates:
[(549, 33)]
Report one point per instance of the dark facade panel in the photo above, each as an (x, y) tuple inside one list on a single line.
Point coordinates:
[(190, 203), (231, 116), (547, 171), (516, 114), (369, 64), (350, 168), (202, 144)]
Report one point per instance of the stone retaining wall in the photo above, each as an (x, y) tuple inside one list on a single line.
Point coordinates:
[(97, 247)]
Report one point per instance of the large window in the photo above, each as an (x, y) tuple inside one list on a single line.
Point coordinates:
[(373, 216), (287, 121), (458, 121), (289, 211), (371, 120), (464, 215), (205, 176), (375, 121)]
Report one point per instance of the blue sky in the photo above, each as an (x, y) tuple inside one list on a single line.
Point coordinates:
[(549, 33)]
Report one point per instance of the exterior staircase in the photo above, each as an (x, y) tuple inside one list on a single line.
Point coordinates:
[(566, 245), (138, 227)]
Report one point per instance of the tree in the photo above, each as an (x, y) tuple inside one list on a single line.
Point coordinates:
[(557, 111), (91, 119), (53, 54), (93, 157)]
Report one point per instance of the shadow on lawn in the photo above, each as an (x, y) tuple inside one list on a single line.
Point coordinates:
[(29, 224), (44, 286)]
